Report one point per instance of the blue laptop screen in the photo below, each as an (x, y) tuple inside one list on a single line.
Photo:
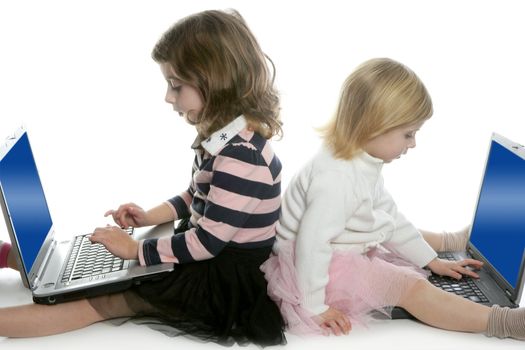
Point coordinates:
[(498, 230), (25, 200)]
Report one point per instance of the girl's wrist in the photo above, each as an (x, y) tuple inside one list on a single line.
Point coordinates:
[(149, 218), (433, 263), (134, 251)]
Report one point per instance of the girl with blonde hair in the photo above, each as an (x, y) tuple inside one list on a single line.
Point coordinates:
[(343, 249)]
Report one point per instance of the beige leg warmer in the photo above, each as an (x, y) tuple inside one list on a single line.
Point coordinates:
[(506, 322)]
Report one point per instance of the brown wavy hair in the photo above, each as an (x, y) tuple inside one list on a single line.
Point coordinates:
[(380, 95), (215, 52)]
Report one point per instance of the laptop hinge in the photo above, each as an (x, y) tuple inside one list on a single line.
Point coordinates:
[(34, 284), (40, 272)]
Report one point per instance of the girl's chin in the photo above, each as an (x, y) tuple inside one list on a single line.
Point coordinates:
[(391, 160)]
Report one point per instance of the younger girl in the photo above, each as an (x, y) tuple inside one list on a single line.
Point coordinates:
[(337, 265), (218, 80)]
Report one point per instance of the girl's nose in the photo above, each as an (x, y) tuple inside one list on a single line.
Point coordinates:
[(170, 97)]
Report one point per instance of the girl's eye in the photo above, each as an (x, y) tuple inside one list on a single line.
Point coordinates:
[(409, 136), (175, 86)]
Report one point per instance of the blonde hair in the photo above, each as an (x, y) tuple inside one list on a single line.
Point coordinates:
[(380, 95), (216, 52)]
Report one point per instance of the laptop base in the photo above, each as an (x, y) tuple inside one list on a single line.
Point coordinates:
[(96, 291)]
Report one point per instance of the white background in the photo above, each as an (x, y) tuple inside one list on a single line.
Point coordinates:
[(79, 75)]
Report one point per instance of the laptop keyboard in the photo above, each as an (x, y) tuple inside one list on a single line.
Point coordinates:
[(465, 287), (88, 259)]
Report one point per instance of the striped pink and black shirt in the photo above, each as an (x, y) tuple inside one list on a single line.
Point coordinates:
[(234, 199)]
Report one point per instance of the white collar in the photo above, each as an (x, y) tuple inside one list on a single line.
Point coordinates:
[(219, 138), (372, 161), (370, 166)]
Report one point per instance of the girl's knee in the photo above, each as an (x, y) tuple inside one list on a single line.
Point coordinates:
[(415, 291), (110, 306)]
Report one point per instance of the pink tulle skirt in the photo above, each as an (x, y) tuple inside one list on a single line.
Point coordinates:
[(358, 285)]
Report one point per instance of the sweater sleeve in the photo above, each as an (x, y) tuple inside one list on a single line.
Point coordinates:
[(180, 205), (406, 240), (236, 189), (328, 204)]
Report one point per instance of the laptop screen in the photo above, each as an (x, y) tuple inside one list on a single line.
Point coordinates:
[(25, 200), (498, 229)]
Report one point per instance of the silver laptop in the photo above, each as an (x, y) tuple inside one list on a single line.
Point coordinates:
[(497, 234), (66, 270)]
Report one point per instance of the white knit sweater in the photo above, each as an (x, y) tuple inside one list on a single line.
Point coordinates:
[(337, 204)]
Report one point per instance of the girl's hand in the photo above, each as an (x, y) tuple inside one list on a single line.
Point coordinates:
[(128, 215), (335, 321), (455, 269), (117, 241)]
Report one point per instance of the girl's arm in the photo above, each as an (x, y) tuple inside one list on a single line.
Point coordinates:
[(447, 241), (162, 213), (406, 241), (329, 201), (243, 199), (433, 239), (117, 241), (173, 209), (130, 214), (120, 243)]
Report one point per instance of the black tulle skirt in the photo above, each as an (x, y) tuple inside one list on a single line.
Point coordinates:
[(223, 299)]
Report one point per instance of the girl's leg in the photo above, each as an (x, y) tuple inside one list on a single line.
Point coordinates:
[(505, 322), (36, 320), (441, 309), (445, 310), (447, 241)]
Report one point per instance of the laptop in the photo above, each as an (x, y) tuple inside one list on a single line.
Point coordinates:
[(53, 269), (497, 232)]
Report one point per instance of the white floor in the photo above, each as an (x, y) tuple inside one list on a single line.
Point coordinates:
[(392, 334)]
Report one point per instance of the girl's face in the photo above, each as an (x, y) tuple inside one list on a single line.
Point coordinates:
[(185, 99), (392, 144)]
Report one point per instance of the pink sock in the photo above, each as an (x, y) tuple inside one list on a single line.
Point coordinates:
[(5, 248)]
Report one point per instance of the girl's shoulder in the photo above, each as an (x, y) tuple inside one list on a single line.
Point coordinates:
[(254, 149), (248, 156), (326, 170), (322, 167), (325, 162)]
